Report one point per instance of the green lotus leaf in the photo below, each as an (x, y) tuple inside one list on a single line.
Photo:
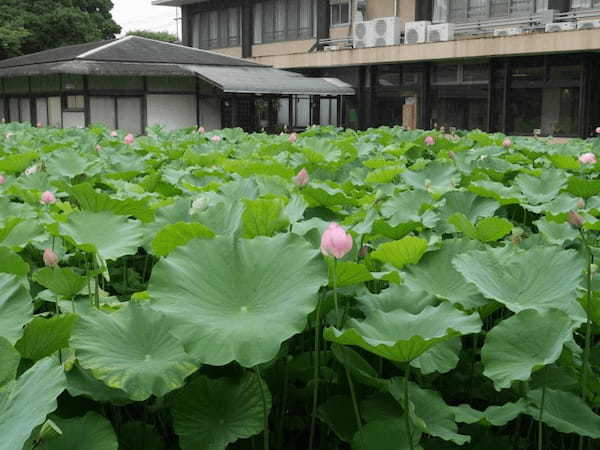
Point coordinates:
[(320, 194), (18, 233), (210, 414), (401, 336), (67, 163), (62, 281), (492, 189), (489, 229), (140, 436), (563, 203), (42, 337), (92, 429), (431, 410), (582, 187), (389, 434), (520, 344), (348, 273), (109, 235), (357, 365), (435, 275), (10, 362), (497, 416), (556, 233), (408, 250), (539, 278), (470, 205), (221, 293), (338, 413), (437, 178), (408, 207), (80, 382), (565, 412), (17, 163), (16, 306), (12, 263), (541, 189), (132, 350), (263, 217), (441, 358), (225, 218), (180, 233), (396, 297), (25, 402)]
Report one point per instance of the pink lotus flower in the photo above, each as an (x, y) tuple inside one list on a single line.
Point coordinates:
[(2, 179), (129, 139), (114, 134), (598, 130), (98, 147), (506, 143), (39, 125), (429, 141), (575, 219), (580, 203), (201, 130), (47, 198), (216, 138), (302, 178), (31, 170), (588, 158), (335, 241), (293, 137), (50, 258)]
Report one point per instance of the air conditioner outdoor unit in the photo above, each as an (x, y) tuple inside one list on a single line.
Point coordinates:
[(588, 24), (440, 32), (363, 35), (387, 31), (508, 32), (416, 32), (561, 26)]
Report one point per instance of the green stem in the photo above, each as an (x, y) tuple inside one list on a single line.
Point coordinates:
[(406, 410), (588, 327), (355, 406), (540, 424), (265, 413), (313, 419), (335, 295)]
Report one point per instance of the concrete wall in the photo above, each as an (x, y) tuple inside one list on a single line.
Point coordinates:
[(282, 48)]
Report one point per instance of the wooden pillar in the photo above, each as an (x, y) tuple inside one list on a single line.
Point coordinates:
[(505, 96), (247, 29)]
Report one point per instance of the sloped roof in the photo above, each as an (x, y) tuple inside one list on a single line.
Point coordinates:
[(128, 49)]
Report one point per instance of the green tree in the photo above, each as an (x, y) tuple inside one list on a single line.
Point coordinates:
[(156, 35), (35, 25)]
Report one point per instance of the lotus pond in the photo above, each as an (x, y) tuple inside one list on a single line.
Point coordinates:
[(174, 291)]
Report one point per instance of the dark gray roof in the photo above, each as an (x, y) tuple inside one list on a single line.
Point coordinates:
[(128, 49)]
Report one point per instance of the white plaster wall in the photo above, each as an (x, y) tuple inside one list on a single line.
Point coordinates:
[(25, 110), (54, 112), (129, 113), (172, 111), (73, 120), (13, 104), (210, 113), (283, 112), (41, 110), (102, 110)]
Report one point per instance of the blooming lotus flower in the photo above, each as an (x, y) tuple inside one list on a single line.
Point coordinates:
[(31, 170), (114, 134), (198, 205), (293, 137), (598, 130), (335, 241), (588, 158), (50, 258), (2, 179), (575, 219), (201, 130), (47, 198), (129, 139), (216, 138), (580, 203), (506, 143), (429, 141), (302, 178)]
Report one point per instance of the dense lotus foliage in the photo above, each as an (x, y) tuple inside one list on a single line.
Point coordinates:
[(176, 291)]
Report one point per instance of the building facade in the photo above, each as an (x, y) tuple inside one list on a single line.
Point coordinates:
[(515, 66)]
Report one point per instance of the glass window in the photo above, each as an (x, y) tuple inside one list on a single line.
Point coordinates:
[(445, 74), (305, 28), (475, 73), (340, 12), (75, 102)]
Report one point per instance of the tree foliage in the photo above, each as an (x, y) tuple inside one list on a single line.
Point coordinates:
[(36, 25)]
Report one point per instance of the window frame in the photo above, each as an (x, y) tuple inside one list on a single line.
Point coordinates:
[(339, 6)]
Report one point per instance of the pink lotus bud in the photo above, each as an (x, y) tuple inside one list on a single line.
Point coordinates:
[(50, 258), (98, 147), (335, 241), (129, 139), (302, 178), (429, 141), (39, 125), (31, 170), (598, 130), (47, 198), (114, 134), (216, 138), (293, 137), (588, 158), (506, 143), (580, 203), (575, 219), (201, 130), (2, 179)]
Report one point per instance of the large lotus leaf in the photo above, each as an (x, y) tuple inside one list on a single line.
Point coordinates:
[(25, 402), (441, 358), (348, 273), (63, 281), (396, 297), (357, 366), (401, 336), (139, 436), (263, 217), (210, 414), (538, 278), (582, 187), (67, 163), (94, 431), (472, 206), (494, 415), (10, 262), (435, 275), (16, 306), (518, 345), (562, 204), (408, 250), (492, 189), (225, 218), (487, 230), (17, 163), (10, 362), (556, 233), (18, 233), (132, 350), (389, 434), (238, 300), (541, 189), (436, 416), (565, 412), (42, 337), (109, 235), (409, 207), (338, 413), (320, 194), (174, 235), (437, 178), (80, 382)]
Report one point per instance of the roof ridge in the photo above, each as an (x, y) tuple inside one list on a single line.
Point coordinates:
[(102, 47)]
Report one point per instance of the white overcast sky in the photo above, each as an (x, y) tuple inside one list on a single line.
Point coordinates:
[(141, 15)]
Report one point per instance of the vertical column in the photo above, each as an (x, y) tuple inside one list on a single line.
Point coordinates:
[(584, 128), (144, 117), (491, 97), (322, 24), (505, 96), (86, 101), (424, 105), (247, 28), (186, 17)]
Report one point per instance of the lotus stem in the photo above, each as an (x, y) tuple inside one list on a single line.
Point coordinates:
[(540, 423), (406, 410), (335, 296), (355, 406), (313, 418), (265, 414), (588, 325)]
